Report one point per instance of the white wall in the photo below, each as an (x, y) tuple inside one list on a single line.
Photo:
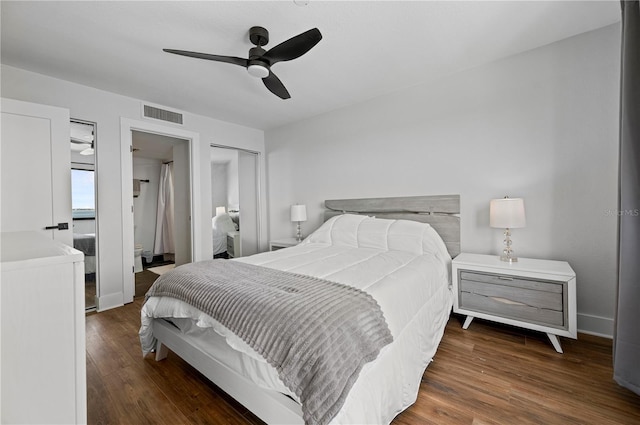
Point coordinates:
[(218, 186), (145, 206), (106, 109), (542, 125), (233, 186), (84, 226)]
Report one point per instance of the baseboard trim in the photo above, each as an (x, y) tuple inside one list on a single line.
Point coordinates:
[(595, 325)]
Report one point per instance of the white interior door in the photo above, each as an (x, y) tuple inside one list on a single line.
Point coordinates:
[(35, 175)]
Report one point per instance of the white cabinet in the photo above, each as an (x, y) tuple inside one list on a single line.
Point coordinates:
[(532, 294), (43, 358)]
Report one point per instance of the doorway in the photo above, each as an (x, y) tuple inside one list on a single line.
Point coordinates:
[(83, 138), (161, 206), (139, 139)]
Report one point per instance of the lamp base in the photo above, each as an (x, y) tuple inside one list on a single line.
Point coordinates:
[(298, 233), (507, 253)]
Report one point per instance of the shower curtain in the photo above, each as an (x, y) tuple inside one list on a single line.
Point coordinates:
[(164, 243)]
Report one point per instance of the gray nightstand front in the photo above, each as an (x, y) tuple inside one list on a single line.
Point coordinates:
[(532, 294)]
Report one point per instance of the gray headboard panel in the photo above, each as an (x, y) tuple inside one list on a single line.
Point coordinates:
[(441, 212)]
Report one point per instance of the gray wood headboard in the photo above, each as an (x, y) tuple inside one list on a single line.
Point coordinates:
[(439, 211)]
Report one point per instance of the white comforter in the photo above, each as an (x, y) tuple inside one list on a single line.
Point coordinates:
[(404, 265)]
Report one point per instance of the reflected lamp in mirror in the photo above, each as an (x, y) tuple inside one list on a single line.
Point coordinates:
[(298, 214), (507, 213), (220, 211)]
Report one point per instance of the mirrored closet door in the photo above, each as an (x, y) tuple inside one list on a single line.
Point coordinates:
[(83, 203), (235, 199)]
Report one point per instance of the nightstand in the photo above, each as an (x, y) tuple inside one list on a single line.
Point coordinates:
[(282, 243), (233, 244), (532, 294)]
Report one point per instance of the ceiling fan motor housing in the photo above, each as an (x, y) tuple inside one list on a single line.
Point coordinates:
[(259, 36)]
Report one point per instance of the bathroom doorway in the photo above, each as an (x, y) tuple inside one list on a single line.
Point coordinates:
[(161, 206), (83, 138), (190, 228)]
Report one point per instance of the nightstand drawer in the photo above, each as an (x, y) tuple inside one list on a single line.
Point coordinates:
[(510, 280), (531, 300), (504, 308)]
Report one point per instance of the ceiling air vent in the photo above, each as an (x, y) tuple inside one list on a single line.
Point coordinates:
[(162, 114)]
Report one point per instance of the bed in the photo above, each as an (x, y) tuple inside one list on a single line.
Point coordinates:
[(86, 242), (221, 225), (400, 259)]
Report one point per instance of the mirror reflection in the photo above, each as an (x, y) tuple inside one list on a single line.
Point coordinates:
[(234, 202), (83, 202)]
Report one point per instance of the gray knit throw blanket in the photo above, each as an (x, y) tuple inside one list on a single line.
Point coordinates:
[(317, 334)]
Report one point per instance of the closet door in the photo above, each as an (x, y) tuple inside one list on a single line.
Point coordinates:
[(248, 195), (35, 174)]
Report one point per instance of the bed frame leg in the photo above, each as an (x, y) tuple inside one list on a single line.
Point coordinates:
[(161, 351)]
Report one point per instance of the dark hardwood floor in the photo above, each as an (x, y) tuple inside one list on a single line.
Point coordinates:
[(488, 374)]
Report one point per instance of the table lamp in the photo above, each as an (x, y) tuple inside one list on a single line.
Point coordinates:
[(298, 214), (507, 213)]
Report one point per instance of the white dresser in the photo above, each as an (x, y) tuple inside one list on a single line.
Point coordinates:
[(43, 369)]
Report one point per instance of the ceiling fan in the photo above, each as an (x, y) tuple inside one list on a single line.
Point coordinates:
[(260, 61)]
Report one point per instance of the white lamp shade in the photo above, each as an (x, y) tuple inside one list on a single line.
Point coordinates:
[(507, 213), (298, 213), (220, 210)]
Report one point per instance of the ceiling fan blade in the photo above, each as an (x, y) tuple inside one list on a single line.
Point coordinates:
[(228, 59), (294, 47), (275, 86)]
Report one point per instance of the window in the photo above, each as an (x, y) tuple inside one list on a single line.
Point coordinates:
[(82, 194)]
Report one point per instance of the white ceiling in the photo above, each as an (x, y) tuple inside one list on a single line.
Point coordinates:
[(153, 146), (368, 48)]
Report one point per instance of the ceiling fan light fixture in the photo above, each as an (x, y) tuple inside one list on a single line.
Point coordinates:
[(258, 70)]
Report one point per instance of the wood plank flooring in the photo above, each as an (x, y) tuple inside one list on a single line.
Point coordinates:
[(488, 374)]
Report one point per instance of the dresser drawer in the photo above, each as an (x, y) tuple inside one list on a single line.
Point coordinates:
[(531, 300)]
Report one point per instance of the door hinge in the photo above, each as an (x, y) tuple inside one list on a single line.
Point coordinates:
[(131, 208), (133, 269), (131, 148)]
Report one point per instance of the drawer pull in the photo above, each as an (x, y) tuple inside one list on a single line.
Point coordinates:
[(505, 278), (506, 301)]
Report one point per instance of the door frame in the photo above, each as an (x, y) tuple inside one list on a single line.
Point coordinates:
[(127, 126)]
